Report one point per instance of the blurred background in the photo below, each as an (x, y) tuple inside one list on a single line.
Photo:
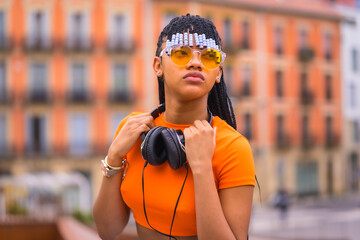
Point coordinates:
[(70, 70)]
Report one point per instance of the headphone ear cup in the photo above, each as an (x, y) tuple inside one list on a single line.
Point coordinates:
[(176, 155), (152, 148)]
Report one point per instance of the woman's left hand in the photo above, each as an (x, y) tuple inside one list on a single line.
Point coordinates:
[(200, 142)]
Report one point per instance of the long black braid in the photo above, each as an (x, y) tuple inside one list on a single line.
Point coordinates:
[(218, 100)]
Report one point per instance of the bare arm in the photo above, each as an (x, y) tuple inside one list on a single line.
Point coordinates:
[(223, 215), (110, 212)]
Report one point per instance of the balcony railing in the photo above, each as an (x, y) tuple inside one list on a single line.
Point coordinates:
[(38, 44), (307, 97), (308, 141), (332, 141), (5, 98), (40, 96), (245, 91), (232, 48), (305, 54), (79, 97), (122, 96), (283, 141), (121, 46), (6, 44), (79, 45)]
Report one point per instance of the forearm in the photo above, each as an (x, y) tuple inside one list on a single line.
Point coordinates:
[(210, 218), (111, 214)]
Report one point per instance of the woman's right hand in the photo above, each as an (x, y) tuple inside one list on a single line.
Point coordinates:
[(128, 135)]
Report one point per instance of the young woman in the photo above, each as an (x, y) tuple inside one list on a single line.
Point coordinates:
[(209, 194)]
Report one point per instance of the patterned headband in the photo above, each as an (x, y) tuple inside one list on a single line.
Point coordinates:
[(187, 39)]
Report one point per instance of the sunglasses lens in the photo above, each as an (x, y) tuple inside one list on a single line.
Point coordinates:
[(181, 55), (211, 58)]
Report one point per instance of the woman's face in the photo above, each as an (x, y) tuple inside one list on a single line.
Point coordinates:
[(188, 82)]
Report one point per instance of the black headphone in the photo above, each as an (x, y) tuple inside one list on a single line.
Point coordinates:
[(161, 143)]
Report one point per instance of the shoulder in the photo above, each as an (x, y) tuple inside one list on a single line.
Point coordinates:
[(228, 135)]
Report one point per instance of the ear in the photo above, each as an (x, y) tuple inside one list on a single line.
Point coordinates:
[(218, 75), (157, 66)]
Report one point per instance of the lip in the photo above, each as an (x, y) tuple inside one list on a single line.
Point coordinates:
[(194, 77)]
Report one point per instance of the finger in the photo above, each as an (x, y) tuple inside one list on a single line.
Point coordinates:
[(192, 129), (199, 125), (206, 124), (149, 121), (215, 131)]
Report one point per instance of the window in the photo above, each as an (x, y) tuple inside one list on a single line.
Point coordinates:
[(227, 33), (3, 135), (2, 30), (356, 130), (119, 32), (352, 95), (279, 83), (304, 82), (354, 171), (167, 18), (246, 72), (307, 178), (115, 121), (78, 37), (121, 89), (305, 128), (357, 3), (37, 32), (38, 82), (278, 40), (328, 129), (79, 134), (248, 126), (36, 141), (229, 79), (328, 39), (2, 82), (354, 59), (280, 128), (246, 35), (79, 84), (328, 88), (303, 39)]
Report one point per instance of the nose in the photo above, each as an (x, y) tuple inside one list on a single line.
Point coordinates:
[(195, 60)]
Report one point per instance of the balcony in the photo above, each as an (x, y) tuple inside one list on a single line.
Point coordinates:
[(231, 48), (38, 44), (245, 91), (79, 45), (6, 44), (308, 141), (283, 141), (79, 97), (332, 141), (5, 98), (305, 54), (328, 56), (121, 46), (39, 97), (306, 97), (124, 96)]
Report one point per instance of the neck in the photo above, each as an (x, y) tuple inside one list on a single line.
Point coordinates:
[(186, 113)]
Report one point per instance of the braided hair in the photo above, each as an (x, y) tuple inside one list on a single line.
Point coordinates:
[(219, 102)]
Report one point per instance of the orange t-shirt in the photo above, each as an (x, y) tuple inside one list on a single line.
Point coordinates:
[(232, 163)]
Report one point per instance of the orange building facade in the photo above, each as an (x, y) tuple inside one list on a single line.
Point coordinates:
[(74, 69)]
